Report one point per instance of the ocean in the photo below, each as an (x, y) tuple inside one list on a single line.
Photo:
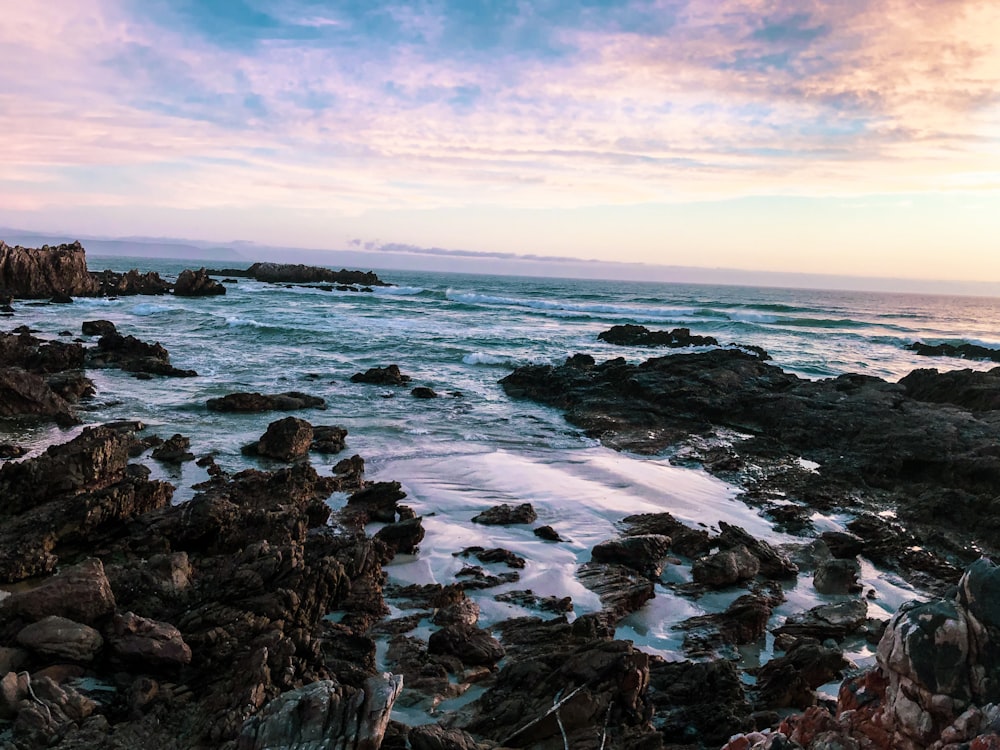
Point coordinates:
[(473, 447)]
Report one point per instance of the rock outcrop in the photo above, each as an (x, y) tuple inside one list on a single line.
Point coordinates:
[(635, 335), (197, 284), (29, 273), (291, 273)]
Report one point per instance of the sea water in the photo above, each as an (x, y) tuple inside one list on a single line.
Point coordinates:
[(474, 447)]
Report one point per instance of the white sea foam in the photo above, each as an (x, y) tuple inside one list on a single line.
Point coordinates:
[(243, 323), (563, 306), (398, 290), (482, 358), (150, 308)]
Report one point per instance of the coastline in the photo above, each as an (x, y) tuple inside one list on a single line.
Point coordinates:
[(291, 528)]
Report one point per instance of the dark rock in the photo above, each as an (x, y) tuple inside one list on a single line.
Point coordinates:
[(634, 335), (843, 544), (9, 450), (963, 351), (98, 327), (744, 621), (148, 643), (256, 402), (60, 298), (494, 555), (56, 637), (329, 439), (474, 577), (423, 392), (298, 273), (528, 598), (174, 450), (548, 534), (132, 355), (789, 680), (197, 284), (773, 564), (506, 515), (837, 576), (725, 568), (684, 540), (473, 646), (622, 590), (25, 394), (827, 621), (81, 593), (378, 501), (402, 537), (699, 703), (644, 553), (43, 273), (287, 439), (977, 391), (130, 283), (389, 375)]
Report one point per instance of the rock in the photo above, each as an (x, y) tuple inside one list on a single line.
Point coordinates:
[(381, 376), (506, 515), (843, 544), (329, 439), (403, 537), (437, 737), (827, 621), (725, 568), (256, 402), (324, 716), (634, 335), (12, 659), (197, 284), (423, 392), (547, 533), (773, 564), (98, 328), (286, 439), (644, 553), (699, 703), (25, 394), (622, 590), (9, 450), (789, 680), (57, 637), (298, 273), (963, 351), (132, 355), (968, 389), (527, 598), (837, 576), (684, 540), (174, 450), (378, 501), (80, 592), (744, 621), (42, 273), (473, 646), (130, 283), (493, 555), (147, 643)]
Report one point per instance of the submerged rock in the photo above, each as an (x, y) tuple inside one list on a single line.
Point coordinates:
[(389, 375), (506, 515), (257, 402)]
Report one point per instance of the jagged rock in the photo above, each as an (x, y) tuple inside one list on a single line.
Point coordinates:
[(130, 283), (968, 389), (378, 501), (286, 439), (25, 394), (328, 439), (402, 537), (436, 737), (547, 533), (146, 642), (826, 621), (423, 392), (843, 544), (197, 284), (80, 592), (132, 355), (38, 356), (506, 515), (473, 646), (635, 335), (837, 576), (684, 540), (528, 598), (622, 590), (324, 716), (701, 703), (256, 402), (42, 273), (298, 273), (98, 328), (789, 680), (773, 563), (964, 351), (744, 621), (389, 375), (57, 637), (493, 555), (644, 553), (725, 568), (174, 450)]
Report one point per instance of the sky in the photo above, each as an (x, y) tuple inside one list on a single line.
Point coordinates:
[(856, 137)]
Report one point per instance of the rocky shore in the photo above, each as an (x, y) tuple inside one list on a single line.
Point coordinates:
[(257, 614)]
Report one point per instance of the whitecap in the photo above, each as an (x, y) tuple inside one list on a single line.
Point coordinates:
[(482, 358), (398, 290), (150, 308), (243, 322)]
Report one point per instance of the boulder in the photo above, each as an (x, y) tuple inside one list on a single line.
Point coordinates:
[(422, 391), (378, 501), (197, 284), (81, 592), (725, 568), (622, 590), (147, 643), (389, 375), (257, 402), (826, 621), (402, 537), (59, 638), (837, 576), (471, 645), (789, 680), (644, 552), (506, 515), (98, 328), (328, 439), (174, 450), (132, 355), (286, 439)]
